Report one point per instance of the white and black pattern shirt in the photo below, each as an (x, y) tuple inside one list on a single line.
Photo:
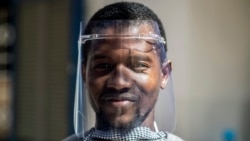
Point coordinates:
[(136, 134)]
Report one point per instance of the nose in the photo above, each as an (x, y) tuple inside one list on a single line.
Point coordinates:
[(120, 78)]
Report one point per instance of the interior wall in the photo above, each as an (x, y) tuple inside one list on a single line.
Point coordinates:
[(209, 46), (41, 105), (218, 80)]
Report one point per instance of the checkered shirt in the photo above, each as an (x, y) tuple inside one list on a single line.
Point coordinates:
[(136, 134)]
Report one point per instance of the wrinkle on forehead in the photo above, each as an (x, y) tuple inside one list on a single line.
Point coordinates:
[(143, 28), (137, 44), (121, 42)]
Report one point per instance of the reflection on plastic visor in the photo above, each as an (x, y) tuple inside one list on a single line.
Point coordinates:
[(154, 41)]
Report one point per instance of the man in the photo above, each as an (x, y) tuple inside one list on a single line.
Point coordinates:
[(124, 67)]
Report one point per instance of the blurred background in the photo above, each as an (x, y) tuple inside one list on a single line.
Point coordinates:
[(209, 45)]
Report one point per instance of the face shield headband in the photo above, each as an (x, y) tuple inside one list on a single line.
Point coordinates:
[(121, 42)]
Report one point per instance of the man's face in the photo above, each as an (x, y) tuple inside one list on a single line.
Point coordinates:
[(122, 80)]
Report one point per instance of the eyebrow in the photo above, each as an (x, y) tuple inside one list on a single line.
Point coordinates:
[(141, 57), (132, 57)]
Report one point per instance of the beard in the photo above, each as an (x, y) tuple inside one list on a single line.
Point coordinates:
[(105, 123), (122, 119)]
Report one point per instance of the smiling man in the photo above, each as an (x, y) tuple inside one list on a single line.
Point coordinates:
[(123, 63), (123, 76)]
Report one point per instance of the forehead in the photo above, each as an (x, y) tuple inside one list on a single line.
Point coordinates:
[(121, 41), (130, 29), (119, 45), (106, 46), (122, 53), (120, 49)]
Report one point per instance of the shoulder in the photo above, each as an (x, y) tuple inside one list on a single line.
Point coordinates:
[(72, 138), (172, 137)]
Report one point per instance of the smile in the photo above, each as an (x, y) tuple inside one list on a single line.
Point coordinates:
[(120, 101)]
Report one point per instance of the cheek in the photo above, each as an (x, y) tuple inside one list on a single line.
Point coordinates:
[(150, 82), (149, 85), (94, 87)]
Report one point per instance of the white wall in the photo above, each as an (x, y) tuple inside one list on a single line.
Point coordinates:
[(209, 44)]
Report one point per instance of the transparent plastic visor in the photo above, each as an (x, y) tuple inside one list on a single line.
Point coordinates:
[(154, 37), (123, 78)]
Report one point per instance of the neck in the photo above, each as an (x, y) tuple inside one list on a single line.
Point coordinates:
[(149, 121)]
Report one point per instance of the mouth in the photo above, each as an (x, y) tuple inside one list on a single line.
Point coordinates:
[(120, 100), (119, 103)]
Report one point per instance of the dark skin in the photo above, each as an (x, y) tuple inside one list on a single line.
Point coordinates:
[(123, 83)]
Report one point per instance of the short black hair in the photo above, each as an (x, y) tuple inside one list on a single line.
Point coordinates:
[(124, 11)]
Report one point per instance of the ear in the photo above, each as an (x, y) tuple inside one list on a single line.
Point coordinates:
[(166, 71)]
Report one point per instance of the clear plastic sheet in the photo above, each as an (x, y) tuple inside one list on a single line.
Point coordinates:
[(123, 77)]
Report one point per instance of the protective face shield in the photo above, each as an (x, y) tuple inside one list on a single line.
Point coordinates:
[(122, 71)]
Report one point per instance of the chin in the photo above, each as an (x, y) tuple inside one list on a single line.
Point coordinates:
[(126, 122), (123, 121), (118, 123)]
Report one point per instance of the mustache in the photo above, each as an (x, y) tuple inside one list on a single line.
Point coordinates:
[(130, 94)]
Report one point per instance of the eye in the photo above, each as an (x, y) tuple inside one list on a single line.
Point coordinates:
[(102, 67), (140, 66)]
